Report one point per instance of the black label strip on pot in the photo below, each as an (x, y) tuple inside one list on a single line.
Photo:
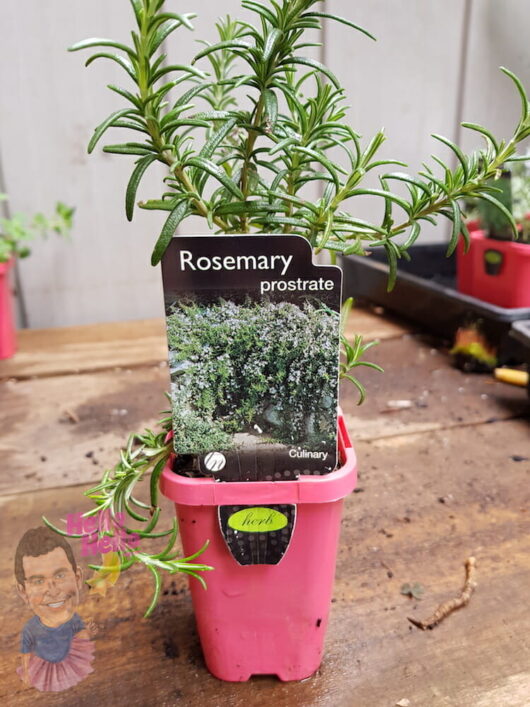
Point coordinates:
[(257, 535)]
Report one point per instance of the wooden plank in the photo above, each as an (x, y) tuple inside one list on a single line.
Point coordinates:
[(438, 395), (374, 323), (68, 429), (52, 352), (64, 350), (62, 418), (395, 531)]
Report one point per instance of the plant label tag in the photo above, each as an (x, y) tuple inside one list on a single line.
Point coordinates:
[(253, 330), (257, 535)]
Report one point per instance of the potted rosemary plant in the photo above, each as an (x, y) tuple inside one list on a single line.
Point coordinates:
[(497, 267), (244, 168), (15, 235)]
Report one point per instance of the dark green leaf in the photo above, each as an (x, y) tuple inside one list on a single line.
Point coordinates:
[(410, 180), (522, 93), (271, 110), (97, 42), (162, 33), (498, 205), (413, 237), (132, 187), (122, 61), (156, 592), (342, 20), (304, 61), (216, 139), (219, 174), (128, 148), (483, 131), (270, 44), (318, 157), (384, 194), (457, 228), (457, 151), (102, 127), (168, 231), (231, 44)]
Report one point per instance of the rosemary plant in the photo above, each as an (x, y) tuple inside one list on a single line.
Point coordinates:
[(114, 497), (245, 169)]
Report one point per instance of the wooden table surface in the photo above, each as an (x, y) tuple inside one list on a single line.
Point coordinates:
[(444, 479)]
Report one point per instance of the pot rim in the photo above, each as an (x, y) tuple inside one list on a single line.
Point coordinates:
[(306, 489)]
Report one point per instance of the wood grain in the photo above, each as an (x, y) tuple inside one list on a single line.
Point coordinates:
[(65, 350), (94, 347), (397, 530), (440, 396), (68, 429)]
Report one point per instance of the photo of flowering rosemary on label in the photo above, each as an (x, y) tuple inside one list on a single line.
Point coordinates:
[(253, 335)]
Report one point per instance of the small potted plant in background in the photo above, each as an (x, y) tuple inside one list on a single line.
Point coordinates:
[(497, 267), (16, 233), (244, 168)]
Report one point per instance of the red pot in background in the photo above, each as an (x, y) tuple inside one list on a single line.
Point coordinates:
[(7, 327), (494, 271)]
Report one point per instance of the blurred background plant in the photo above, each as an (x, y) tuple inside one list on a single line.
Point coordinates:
[(17, 232), (514, 192)]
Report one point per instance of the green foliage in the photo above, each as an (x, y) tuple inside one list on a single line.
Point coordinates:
[(243, 169), (146, 452), (17, 232), (521, 197), (492, 218), (353, 353), (237, 366)]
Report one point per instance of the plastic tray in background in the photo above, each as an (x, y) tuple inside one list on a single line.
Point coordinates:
[(425, 293), (521, 333)]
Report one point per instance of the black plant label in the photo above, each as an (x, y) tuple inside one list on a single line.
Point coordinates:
[(257, 535), (253, 331)]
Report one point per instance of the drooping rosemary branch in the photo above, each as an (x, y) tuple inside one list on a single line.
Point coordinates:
[(114, 500)]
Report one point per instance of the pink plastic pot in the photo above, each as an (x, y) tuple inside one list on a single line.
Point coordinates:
[(7, 328), (495, 271), (265, 619)]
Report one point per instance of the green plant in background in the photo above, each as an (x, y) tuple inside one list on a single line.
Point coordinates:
[(18, 231), (245, 168), (513, 191), (513, 187), (235, 366), (521, 198)]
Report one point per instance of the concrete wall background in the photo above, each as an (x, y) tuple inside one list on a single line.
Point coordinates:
[(434, 65)]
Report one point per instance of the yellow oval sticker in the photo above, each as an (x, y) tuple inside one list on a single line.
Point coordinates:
[(257, 520)]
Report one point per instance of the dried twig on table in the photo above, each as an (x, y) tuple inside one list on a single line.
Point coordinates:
[(453, 604)]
